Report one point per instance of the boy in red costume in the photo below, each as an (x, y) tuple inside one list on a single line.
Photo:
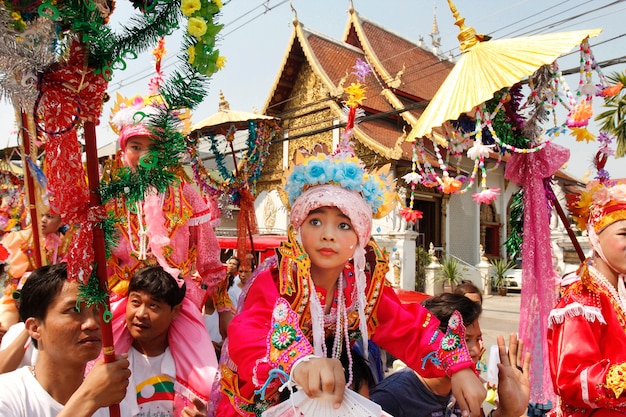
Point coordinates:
[(587, 331)]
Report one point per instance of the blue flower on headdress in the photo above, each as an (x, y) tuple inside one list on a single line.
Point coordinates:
[(349, 175), (373, 193), (318, 172)]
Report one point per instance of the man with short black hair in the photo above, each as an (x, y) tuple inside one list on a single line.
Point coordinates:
[(67, 334), (157, 386)]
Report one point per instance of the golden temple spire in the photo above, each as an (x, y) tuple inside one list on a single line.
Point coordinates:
[(223, 104)]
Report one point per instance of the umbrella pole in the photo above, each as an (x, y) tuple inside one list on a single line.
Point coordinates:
[(566, 223), (93, 177), (30, 185), (232, 149)]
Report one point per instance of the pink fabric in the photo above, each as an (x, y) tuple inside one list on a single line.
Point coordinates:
[(351, 203), (539, 279), (189, 342), (157, 233), (129, 131)]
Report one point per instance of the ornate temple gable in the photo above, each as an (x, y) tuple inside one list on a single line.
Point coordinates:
[(407, 69)]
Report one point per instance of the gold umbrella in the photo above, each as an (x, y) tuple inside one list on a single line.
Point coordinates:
[(226, 121), (486, 67)]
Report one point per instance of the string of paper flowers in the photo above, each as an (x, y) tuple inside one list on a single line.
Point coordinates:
[(504, 126)]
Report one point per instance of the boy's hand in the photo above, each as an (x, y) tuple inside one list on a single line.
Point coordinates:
[(321, 376), (468, 391), (199, 409), (513, 382)]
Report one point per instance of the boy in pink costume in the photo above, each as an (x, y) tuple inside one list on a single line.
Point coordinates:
[(171, 229)]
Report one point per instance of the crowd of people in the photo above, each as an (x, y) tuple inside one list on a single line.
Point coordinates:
[(305, 328)]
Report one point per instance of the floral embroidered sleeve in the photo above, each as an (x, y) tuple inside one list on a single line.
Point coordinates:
[(409, 332)]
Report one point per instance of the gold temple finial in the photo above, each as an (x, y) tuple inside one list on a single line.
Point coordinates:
[(467, 36), (295, 13), (351, 9), (223, 105)]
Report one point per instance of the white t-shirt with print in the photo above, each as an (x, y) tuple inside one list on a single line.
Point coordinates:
[(150, 391), (21, 395)]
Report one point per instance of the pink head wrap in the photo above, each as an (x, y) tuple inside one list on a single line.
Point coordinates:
[(351, 203), (129, 131)]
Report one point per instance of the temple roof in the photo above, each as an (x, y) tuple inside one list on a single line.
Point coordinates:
[(405, 76)]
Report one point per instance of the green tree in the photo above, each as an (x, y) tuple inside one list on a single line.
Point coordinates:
[(614, 118)]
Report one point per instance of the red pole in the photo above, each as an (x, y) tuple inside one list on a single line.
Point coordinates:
[(93, 177), (30, 185)]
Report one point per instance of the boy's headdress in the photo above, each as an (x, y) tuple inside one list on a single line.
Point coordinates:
[(601, 203)]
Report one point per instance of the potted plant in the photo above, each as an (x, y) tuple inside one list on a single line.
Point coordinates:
[(500, 268), (450, 273)]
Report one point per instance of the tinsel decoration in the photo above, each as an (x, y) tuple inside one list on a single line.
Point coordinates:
[(23, 57), (540, 84), (225, 182), (111, 235), (513, 243), (91, 294)]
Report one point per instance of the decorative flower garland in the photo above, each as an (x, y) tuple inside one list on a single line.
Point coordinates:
[(493, 131)]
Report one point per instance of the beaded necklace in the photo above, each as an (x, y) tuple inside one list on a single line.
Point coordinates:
[(619, 298), (341, 325)]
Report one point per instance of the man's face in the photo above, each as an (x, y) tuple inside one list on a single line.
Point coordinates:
[(70, 333), (148, 321), (232, 266)]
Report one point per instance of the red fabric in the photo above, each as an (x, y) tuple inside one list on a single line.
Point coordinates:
[(407, 331), (69, 93), (580, 346)]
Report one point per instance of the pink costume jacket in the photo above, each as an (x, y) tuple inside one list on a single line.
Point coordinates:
[(586, 341), (193, 246), (273, 330)]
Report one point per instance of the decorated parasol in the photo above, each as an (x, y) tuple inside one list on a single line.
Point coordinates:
[(487, 66), (247, 137), (477, 112)]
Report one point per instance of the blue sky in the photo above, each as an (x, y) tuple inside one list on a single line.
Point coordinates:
[(257, 34)]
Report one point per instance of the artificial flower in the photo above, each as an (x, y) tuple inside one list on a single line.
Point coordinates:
[(218, 3), (556, 131), (580, 116), (361, 69), (4, 253), (486, 196), (588, 89), (221, 62), (412, 178), (613, 90), (479, 151), (197, 27), (581, 133), (356, 94), (189, 7), (450, 185), (192, 54), (410, 215)]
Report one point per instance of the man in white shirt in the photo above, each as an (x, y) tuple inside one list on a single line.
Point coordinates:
[(155, 389), (67, 334)]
